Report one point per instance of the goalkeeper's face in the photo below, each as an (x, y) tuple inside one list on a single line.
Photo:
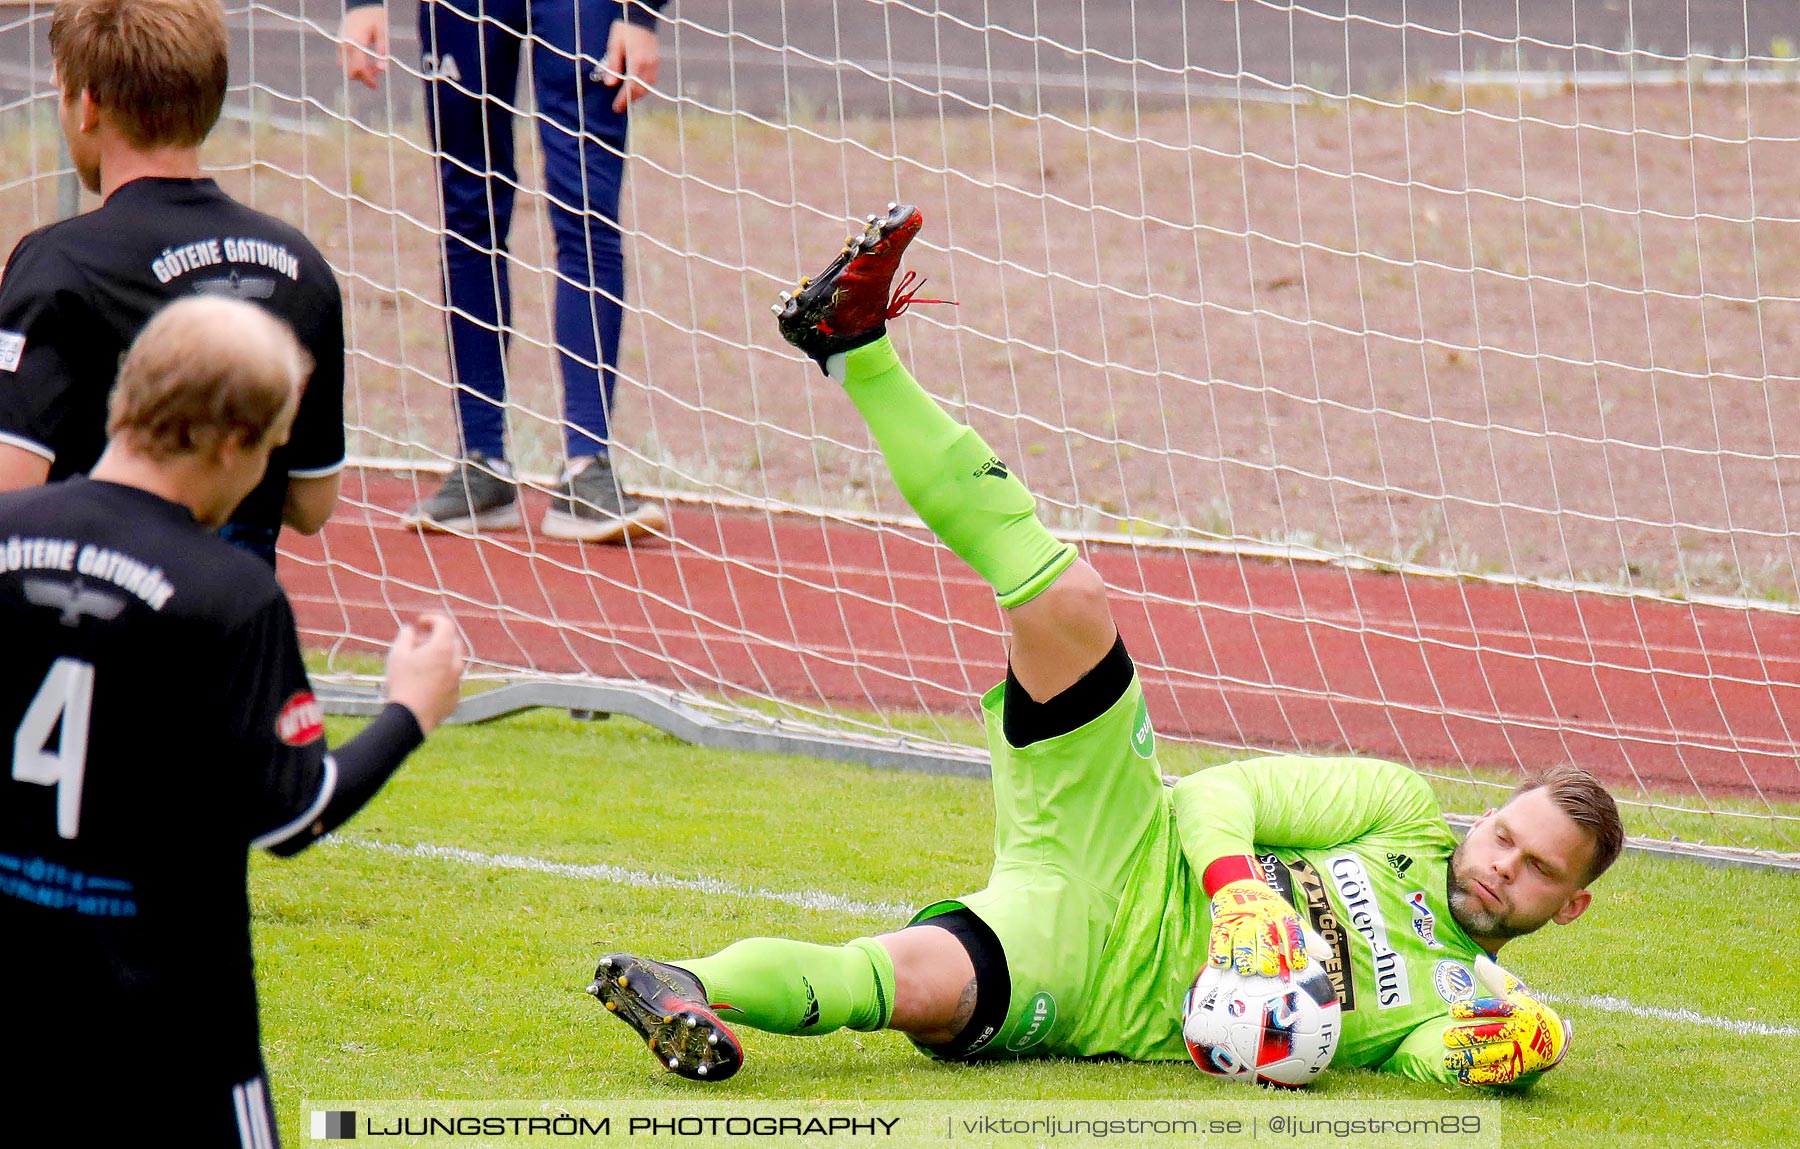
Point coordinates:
[(1521, 866)]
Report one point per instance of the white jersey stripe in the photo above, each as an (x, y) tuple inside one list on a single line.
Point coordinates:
[(259, 1114), (246, 1137), (315, 472), (25, 444), (327, 787)]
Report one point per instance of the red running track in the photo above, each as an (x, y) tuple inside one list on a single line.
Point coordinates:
[(1678, 698)]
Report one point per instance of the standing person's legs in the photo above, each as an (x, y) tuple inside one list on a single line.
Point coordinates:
[(472, 76), (584, 144)]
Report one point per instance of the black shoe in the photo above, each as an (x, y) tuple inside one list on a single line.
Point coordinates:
[(668, 1008), (848, 304)]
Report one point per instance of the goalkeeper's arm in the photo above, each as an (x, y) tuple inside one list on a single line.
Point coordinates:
[(1504, 1041), (1222, 814)]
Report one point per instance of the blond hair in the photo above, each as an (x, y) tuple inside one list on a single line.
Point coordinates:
[(206, 370), (158, 67), (1579, 794)]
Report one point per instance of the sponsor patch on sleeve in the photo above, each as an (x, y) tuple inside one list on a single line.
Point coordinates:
[(12, 349), (301, 720)]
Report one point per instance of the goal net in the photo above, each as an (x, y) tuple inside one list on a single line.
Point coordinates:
[(1421, 382)]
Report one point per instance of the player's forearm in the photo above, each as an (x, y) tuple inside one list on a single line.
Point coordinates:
[(1294, 802), (1418, 1067), (1433, 1052), (1421, 1056), (1215, 816), (363, 765)]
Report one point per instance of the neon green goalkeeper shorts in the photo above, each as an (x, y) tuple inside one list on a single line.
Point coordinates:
[(1072, 818)]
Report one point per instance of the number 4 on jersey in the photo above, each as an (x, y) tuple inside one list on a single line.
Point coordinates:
[(67, 695)]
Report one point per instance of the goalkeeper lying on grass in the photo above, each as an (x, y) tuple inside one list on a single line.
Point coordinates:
[(1110, 891)]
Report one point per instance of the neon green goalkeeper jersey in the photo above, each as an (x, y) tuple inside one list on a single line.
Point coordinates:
[(1359, 847)]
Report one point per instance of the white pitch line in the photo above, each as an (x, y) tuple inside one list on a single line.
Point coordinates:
[(818, 900), (805, 899), (1610, 1004)]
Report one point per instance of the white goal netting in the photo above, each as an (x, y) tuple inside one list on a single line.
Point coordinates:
[(1421, 376)]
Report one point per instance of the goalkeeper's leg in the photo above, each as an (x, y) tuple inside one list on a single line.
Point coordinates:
[(1060, 622), (919, 980)]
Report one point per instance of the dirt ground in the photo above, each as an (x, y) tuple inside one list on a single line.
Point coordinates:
[(1548, 336)]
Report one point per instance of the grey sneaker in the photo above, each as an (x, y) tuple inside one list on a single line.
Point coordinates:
[(588, 505), (479, 494)]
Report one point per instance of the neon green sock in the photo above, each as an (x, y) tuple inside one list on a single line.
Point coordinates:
[(951, 478), (796, 987)]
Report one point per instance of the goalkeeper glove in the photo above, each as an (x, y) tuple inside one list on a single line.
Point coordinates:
[(1255, 931), (1497, 1040)]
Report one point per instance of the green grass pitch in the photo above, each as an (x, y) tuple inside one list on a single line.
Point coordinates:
[(388, 975)]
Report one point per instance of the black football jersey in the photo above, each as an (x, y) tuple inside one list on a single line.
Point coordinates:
[(76, 293), (159, 723)]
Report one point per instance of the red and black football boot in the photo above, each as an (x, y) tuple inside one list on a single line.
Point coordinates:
[(849, 303), (668, 1008)]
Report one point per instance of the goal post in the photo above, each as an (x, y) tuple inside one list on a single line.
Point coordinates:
[(1421, 389)]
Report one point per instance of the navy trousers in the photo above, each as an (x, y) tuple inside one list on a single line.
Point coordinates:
[(473, 50)]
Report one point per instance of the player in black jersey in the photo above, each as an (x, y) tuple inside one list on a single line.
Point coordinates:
[(160, 724), (142, 84)]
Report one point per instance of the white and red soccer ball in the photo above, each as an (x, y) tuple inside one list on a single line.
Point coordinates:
[(1262, 1029)]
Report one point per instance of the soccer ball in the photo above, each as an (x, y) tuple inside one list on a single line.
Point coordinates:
[(1262, 1029)]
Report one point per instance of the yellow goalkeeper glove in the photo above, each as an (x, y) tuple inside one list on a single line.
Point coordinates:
[(1496, 1040), (1255, 931)]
